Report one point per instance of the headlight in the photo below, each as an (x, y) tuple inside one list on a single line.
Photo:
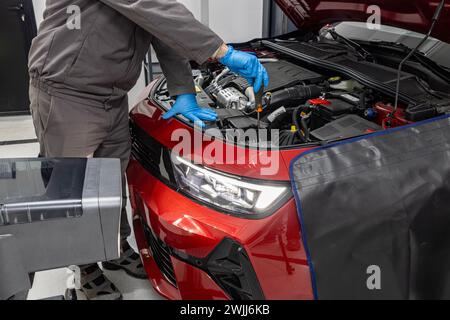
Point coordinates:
[(228, 193)]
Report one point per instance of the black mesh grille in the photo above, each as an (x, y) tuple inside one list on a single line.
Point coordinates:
[(152, 155), (161, 255), (145, 149)]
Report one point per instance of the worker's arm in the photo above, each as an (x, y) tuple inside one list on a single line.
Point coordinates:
[(180, 83), (173, 24), (176, 69)]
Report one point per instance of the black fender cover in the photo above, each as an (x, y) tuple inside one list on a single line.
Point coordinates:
[(375, 214)]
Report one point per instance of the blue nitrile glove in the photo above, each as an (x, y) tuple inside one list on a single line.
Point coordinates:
[(187, 106), (248, 66)]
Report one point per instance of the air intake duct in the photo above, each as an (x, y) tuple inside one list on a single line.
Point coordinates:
[(294, 96)]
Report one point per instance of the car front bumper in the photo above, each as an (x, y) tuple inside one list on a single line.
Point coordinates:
[(192, 252)]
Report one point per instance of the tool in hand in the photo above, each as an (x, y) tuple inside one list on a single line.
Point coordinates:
[(259, 104)]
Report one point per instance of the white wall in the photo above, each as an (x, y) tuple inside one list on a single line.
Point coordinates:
[(195, 6), (233, 20), (236, 20), (39, 7)]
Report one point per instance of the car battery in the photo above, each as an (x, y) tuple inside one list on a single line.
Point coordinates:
[(59, 212)]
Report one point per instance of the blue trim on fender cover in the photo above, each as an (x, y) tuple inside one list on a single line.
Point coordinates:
[(331, 145)]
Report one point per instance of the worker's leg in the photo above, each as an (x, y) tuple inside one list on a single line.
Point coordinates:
[(65, 128), (68, 129), (118, 145)]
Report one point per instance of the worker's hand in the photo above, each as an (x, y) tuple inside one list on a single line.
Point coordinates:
[(246, 65), (187, 106)]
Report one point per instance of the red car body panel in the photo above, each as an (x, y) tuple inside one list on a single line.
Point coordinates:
[(148, 116), (196, 230), (414, 15)]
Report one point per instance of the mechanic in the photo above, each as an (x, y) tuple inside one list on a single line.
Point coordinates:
[(80, 78)]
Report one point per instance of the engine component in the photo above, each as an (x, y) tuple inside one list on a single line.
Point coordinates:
[(305, 107), (345, 127), (386, 118), (238, 120), (203, 98), (330, 109), (231, 98), (421, 112), (301, 119), (282, 74), (274, 115), (375, 76), (351, 97), (240, 83), (224, 114), (295, 95), (246, 123), (346, 85), (285, 74)]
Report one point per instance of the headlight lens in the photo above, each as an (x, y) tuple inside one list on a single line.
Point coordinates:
[(228, 193)]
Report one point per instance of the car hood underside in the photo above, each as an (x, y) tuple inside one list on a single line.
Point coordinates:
[(414, 15)]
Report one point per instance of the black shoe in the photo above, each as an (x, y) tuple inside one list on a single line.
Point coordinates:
[(95, 286), (130, 262)]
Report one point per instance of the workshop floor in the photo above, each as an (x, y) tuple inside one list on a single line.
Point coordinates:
[(17, 140)]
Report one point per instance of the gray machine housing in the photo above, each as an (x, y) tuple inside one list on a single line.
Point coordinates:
[(81, 230)]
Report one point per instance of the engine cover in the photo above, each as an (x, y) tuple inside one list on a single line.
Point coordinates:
[(345, 127)]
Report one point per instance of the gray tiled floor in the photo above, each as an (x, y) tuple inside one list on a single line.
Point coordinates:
[(53, 282)]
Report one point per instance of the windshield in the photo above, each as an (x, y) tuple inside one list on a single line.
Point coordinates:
[(433, 49)]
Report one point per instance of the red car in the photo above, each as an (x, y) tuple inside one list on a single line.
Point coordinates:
[(229, 229)]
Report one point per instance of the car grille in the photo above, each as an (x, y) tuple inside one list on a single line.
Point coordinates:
[(145, 149), (161, 255), (231, 269), (152, 155)]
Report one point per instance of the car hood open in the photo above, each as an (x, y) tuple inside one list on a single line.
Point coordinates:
[(413, 15)]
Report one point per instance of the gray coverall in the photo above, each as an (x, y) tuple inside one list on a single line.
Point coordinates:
[(80, 77)]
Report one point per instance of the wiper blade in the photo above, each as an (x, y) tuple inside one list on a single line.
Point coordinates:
[(363, 53)]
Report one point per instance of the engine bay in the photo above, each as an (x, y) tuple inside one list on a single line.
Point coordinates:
[(307, 103)]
